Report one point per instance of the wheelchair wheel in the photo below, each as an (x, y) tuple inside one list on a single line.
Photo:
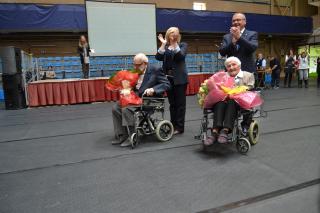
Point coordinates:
[(253, 133), (243, 145), (134, 140), (164, 130)]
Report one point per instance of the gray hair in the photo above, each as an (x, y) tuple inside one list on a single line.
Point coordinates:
[(142, 57), (232, 58), (242, 14)]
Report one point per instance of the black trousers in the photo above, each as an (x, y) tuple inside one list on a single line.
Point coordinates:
[(288, 77), (85, 70), (275, 76), (177, 100), (318, 80), (225, 114)]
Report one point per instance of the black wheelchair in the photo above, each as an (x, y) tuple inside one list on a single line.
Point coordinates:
[(149, 119), (243, 139)]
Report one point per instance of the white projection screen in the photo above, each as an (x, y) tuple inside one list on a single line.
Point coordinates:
[(121, 28)]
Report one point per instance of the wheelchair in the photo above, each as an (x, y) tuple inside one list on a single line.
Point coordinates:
[(243, 140), (149, 119)]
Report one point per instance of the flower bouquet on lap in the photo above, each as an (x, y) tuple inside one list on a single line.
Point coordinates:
[(221, 86), (124, 81)]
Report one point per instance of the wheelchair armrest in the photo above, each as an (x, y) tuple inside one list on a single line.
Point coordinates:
[(207, 110), (258, 90)]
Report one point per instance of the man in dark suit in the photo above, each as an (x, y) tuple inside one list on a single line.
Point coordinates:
[(152, 82), (240, 43)]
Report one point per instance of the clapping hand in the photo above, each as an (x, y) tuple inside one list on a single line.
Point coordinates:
[(235, 32), (161, 39)]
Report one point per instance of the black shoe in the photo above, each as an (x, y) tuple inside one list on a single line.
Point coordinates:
[(177, 132), (121, 139)]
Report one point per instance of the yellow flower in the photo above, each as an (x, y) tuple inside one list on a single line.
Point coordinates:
[(202, 93), (235, 90)]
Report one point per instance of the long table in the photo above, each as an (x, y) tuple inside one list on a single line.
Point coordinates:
[(74, 91)]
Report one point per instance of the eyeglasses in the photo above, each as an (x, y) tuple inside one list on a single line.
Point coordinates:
[(136, 65), (236, 20)]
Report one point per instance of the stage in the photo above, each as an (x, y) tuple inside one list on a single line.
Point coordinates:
[(75, 90)]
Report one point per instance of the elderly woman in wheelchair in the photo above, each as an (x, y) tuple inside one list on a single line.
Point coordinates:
[(129, 121), (227, 112)]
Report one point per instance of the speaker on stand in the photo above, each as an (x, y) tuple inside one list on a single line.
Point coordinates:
[(12, 79)]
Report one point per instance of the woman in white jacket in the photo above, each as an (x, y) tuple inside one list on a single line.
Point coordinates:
[(303, 69)]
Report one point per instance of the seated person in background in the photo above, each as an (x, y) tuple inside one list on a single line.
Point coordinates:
[(48, 74), (151, 82), (225, 112)]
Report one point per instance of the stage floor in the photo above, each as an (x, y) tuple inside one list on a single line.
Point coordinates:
[(60, 159)]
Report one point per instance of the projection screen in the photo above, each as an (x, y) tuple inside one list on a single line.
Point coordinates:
[(121, 28)]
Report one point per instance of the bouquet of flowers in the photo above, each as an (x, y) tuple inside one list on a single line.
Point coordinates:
[(202, 93), (124, 81), (221, 86)]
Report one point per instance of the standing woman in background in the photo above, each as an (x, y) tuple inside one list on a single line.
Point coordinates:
[(289, 68), (318, 72), (303, 69), (83, 50), (173, 54)]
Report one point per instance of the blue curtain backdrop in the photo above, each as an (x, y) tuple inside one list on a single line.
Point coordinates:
[(33, 18), (72, 18)]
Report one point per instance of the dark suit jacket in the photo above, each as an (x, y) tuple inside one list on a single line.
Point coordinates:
[(179, 70), (81, 53), (156, 79), (244, 49)]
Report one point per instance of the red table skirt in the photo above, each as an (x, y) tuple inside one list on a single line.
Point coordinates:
[(73, 91)]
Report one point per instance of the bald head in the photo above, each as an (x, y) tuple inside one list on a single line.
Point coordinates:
[(140, 61), (140, 58), (241, 15)]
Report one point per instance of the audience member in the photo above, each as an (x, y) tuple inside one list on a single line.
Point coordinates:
[(318, 72), (83, 50), (303, 69), (275, 69), (289, 68)]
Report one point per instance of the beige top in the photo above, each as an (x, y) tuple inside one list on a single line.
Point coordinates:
[(244, 78)]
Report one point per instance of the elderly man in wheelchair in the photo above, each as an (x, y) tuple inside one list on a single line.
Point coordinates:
[(130, 122), (226, 113)]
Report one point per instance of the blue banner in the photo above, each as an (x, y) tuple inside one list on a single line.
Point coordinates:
[(72, 18)]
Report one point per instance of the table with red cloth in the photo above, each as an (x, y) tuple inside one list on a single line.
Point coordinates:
[(74, 91)]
